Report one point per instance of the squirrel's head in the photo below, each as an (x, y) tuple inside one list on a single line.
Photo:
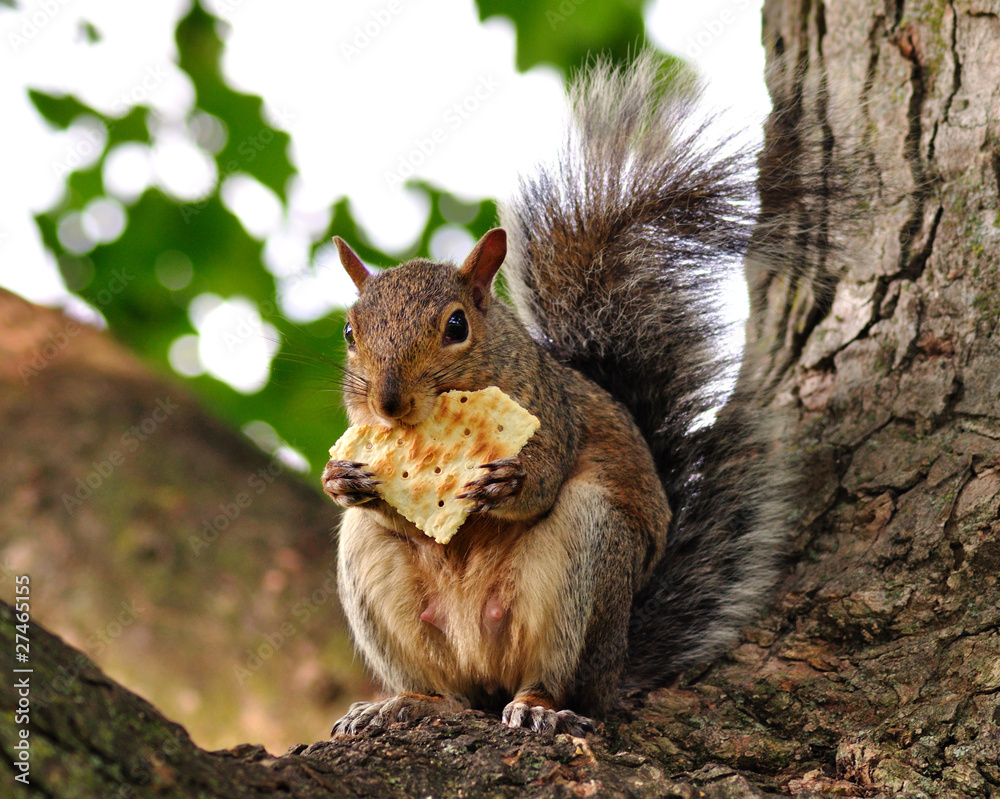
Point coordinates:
[(417, 330)]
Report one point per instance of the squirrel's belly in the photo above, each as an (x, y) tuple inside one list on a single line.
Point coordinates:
[(463, 619), (489, 607), (470, 625)]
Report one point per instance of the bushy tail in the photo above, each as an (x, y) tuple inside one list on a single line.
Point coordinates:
[(617, 260)]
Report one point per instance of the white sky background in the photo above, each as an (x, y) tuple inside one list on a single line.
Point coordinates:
[(356, 118)]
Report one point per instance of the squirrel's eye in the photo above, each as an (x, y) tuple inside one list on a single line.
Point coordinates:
[(457, 328), (349, 334)]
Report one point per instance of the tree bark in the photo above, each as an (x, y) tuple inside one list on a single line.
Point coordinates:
[(885, 674), (89, 737), (876, 672)]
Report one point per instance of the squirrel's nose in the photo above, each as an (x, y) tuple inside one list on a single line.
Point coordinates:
[(388, 400), (390, 406)]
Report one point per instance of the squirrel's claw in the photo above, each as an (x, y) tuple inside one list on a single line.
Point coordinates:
[(403, 707), (502, 481), (348, 484), (573, 723), (545, 720)]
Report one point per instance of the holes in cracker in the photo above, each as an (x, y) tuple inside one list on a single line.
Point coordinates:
[(453, 438)]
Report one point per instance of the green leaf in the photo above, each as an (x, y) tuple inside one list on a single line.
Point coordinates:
[(131, 127), (90, 33), (252, 146), (567, 32), (60, 111), (302, 400)]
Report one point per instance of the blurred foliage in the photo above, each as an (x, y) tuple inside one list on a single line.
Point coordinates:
[(566, 32), (301, 400)]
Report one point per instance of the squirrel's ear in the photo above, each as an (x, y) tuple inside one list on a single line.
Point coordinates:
[(483, 263), (352, 264)]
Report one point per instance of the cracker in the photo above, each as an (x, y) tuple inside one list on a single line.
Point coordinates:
[(422, 469)]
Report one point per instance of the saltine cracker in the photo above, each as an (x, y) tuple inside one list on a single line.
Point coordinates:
[(422, 469)]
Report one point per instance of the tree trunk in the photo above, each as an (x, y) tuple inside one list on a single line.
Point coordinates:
[(876, 672), (885, 674)]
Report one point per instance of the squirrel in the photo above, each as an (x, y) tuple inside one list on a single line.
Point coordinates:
[(631, 538)]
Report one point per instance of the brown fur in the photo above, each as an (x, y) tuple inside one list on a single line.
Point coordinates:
[(532, 594), (538, 570), (565, 572), (535, 699)]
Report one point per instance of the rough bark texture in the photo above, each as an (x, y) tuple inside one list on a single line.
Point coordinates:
[(91, 738), (876, 673), (885, 675)]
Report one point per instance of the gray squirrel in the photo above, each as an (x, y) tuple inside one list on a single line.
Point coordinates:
[(630, 539)]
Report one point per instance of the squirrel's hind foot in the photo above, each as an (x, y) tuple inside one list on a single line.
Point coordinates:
[(402, 707), (545, 720)]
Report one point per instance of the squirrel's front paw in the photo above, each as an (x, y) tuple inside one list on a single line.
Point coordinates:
[(348, 484), (501, 482)]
